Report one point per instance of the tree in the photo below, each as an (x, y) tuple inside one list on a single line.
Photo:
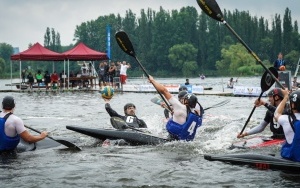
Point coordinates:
[(6, 50), (183, 57), (2, 66), (236, 61)]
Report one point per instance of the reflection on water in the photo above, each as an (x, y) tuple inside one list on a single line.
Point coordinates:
[(176, 164)]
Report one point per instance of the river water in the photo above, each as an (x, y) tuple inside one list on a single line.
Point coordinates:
[(175, 164)]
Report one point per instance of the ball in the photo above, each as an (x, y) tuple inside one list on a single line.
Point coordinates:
[(282, 68), (107, 92)]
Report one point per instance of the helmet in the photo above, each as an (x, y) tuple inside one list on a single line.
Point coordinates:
[(192, 100), (128, 105), (295, 99), (8, 103), (182, 88), (181, 94), (276, 92)]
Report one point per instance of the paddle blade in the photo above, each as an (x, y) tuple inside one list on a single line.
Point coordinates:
[(267, 81), (211, 8), (118, 123), (157, 100), (125, 43)]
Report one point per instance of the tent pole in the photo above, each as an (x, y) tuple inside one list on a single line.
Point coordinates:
[(68, 74), (20, 75)]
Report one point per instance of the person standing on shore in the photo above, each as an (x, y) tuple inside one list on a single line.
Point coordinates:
[(123, 72), (279, 64)]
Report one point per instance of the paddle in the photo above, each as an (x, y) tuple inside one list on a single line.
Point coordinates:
[(212, 9), (158, 100), (126, 45), (266, 82), (63, 142)]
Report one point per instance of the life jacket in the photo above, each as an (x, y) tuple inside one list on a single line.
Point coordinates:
[(186, 131), (276, 129), (291, 151), (7, 142)]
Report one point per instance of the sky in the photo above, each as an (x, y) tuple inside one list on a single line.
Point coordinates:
[(25, 21)]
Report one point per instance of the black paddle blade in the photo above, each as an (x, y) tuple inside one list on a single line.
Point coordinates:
[(125, 43), (118, 123), (267, 81), (211, 8)]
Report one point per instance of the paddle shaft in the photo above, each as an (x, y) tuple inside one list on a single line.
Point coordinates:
[(144, 70), (254, 107), (63, 142), (252, 53)]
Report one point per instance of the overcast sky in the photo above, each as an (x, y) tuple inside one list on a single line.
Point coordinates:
[(25, 21)]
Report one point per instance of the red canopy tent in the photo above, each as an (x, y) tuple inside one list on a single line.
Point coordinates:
[(38, 53), (83, 53)]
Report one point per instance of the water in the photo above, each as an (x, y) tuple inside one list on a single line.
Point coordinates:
[(176, 164)]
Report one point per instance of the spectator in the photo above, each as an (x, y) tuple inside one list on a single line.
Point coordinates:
[(54, 80), (30, 79), (279, 64), (101, 75), (111, 73), (187, 82), (47, 79), (39, 78), (123, 72), (24, 76)]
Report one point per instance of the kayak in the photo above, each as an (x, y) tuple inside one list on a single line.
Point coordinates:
[(257, 142), (131, 136), (259, 161), (43, 144)]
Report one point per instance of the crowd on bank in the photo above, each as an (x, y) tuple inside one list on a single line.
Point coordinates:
[(108, 74)]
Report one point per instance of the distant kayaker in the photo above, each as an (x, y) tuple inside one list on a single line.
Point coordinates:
[(275, 97), (130, 117), (186, 119), (231, 82), (291, 125), (12, 128)]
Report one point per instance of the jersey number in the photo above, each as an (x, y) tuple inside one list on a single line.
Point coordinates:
[(129, 119), (192, 128)]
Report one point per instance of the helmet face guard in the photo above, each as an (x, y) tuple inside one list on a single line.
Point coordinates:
[(191, 100), (276, 92), (181, 94)]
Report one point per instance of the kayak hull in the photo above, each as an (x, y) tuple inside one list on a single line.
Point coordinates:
[(132, 137), (257, 142), (259, 161)]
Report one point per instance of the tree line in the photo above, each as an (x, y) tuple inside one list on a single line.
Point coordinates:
[(187, 43)]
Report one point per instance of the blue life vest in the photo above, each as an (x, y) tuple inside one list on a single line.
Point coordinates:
[(187, 131), (292, 151), (7, 142)]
